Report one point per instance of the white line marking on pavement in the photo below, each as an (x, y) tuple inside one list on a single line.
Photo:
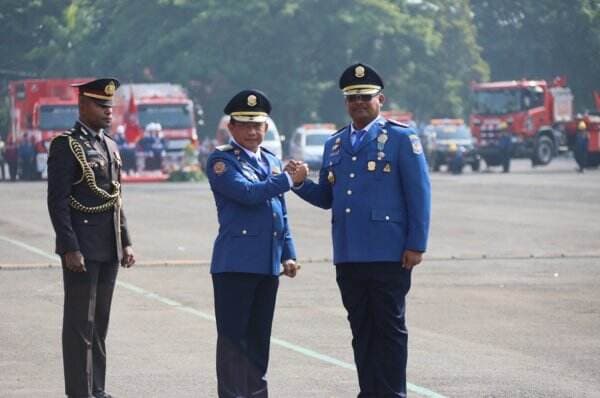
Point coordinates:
[(30, 248), (282, 343)]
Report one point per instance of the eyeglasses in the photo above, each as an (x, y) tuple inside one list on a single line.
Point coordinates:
[(360, 97)]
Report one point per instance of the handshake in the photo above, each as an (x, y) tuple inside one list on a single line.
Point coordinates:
[(298, 170)]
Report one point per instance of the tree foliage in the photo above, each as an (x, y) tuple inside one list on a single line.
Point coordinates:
[(295, 50), (542, 39)]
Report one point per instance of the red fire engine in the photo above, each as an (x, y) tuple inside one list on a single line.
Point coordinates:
[(591, 123), (533, 112), (39, 110), (163, 103)]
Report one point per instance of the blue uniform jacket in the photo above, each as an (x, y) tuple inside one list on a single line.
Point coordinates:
[(254, 236), (380, 204)]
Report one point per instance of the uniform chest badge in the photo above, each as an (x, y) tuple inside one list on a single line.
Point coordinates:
[(371, 165), (118, 158), (219, 168), (416, 144), (387, 168), (275, 170)]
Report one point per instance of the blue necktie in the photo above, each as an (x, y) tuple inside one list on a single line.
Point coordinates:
[(258, 165), (262, 164), (358, 136)]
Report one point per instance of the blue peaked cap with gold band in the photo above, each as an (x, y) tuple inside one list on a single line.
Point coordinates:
[(249, 106), (100, 90), (360, 79)]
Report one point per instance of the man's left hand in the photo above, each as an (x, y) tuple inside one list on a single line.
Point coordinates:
[(128, 257), (411, 259), (290, 268)]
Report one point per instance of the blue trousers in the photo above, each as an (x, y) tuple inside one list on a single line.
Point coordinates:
[(374, 297), (244, 307)]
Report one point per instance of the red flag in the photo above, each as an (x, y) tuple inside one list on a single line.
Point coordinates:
[(560, 81), (597, 98), (133, 132)]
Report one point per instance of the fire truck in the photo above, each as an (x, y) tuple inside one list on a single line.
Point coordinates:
[(164, 103), (532, 112), (39, 110), (591, 121)]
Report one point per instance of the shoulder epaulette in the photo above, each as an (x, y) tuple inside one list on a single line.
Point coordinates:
[(397, 123), (339, 131), (267, 151), (225, 147), (65, 134)]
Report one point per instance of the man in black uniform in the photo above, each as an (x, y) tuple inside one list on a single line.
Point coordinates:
[(84, 202)]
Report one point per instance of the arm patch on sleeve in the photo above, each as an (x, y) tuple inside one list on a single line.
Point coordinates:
[(416, 144), (219, 167)]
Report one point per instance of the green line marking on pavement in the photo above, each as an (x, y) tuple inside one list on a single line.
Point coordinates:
[(282, 343)]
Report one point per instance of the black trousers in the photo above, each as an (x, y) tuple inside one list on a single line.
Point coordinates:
[(244, 307), (88, 297), (374, 297), (13, 170)]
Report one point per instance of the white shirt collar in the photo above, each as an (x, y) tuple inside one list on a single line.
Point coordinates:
[(251, 154), (367, 127)]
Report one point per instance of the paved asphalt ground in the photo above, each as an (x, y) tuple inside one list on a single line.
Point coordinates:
[(507, 303)]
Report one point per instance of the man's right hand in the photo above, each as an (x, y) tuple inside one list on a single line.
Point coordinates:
[(297, 170), (74, 261)]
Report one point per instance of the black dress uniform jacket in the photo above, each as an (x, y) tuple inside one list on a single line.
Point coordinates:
[(98, 235)]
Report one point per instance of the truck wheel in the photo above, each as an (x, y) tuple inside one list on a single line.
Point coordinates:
[(544, 151), (476, 165)]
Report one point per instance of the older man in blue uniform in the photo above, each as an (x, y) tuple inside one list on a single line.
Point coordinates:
[(374, 178), (254, 246)]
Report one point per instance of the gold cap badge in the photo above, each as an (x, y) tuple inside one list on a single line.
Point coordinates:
[(110, 88), (252, 100), (359, 71)]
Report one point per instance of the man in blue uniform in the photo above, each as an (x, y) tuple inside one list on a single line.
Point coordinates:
[(254, 246), (92, 238), (374, 178)]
